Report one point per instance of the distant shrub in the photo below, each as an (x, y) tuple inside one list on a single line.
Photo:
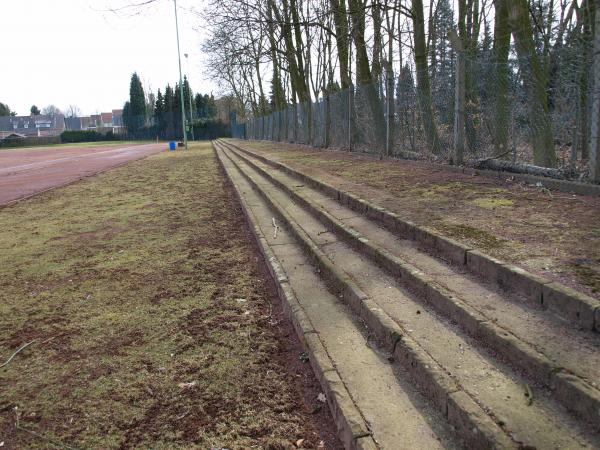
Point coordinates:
[(87, 136)]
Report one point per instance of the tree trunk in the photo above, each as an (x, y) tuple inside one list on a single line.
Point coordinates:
[(366, 85), (468, 30), (423, 86), (535, 84), (595, 119), (499, 85), (278, 95), (341, 37)]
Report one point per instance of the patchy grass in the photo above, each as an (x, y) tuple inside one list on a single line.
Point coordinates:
[(465, 233), (588, 273), (152, 323), (493, 202), (522, 224)]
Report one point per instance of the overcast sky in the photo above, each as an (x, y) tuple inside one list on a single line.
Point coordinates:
[(65, 52)]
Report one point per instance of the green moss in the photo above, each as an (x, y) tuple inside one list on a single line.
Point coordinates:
[(493, 202)]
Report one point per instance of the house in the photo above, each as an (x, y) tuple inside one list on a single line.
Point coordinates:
[(117, 122), (117, 117), (95, 121), (73, 123), (85, 122), (34, 125), (12, 136), (106, 119)]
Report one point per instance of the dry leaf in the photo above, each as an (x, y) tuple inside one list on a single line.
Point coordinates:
[(321, 397)]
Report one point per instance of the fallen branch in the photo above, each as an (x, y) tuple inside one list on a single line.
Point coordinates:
[(23, 347), (484, 160), (530, 169)]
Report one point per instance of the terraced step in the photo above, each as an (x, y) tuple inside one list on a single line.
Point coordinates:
[(470, 386), (581, 310), (548, 350), (361, 386)]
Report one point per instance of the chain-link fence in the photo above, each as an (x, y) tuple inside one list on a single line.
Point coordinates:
[(534, 111)]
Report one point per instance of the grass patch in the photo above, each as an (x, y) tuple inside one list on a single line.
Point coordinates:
[(151, 320), (493, 202)]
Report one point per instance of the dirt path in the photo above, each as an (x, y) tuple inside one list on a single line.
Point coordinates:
[(24, 172), (150, 329), (553, 234)]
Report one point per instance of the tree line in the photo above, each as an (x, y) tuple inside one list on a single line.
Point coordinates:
[(148, 114), (535, 54)]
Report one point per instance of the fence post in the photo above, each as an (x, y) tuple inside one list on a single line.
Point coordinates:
[(327, 119), (595, 119), (459, 103)]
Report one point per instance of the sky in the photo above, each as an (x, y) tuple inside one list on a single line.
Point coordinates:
[(78, 52)]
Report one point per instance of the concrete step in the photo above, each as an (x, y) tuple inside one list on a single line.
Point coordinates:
[(370, 406), (481, 396), (552, 353)]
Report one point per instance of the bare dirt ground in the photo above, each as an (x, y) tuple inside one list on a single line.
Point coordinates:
[(550, 233), (154, 323), (24, 172)]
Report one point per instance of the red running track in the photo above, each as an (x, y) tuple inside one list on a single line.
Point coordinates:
[(26, 172)]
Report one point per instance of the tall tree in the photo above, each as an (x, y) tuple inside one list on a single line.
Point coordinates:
[(534, 80), (499, 82), (35, 111), (137, 103), (159, 111), (51, 110), (423, 84)]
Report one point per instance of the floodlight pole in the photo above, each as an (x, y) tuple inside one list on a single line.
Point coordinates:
[(183, 124)]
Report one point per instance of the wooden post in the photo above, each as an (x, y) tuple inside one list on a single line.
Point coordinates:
[(595, 120), (459, 103)]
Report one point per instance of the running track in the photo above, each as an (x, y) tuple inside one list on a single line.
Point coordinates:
[(26, 172)]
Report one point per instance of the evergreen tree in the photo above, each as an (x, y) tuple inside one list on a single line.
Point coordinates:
[(442, 72), (137, 103), (187, 92), (4, 110), (177, 109), (159, 112), (200, 106), (127, 117), (211, 107), (168, 111), (35, 111)]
